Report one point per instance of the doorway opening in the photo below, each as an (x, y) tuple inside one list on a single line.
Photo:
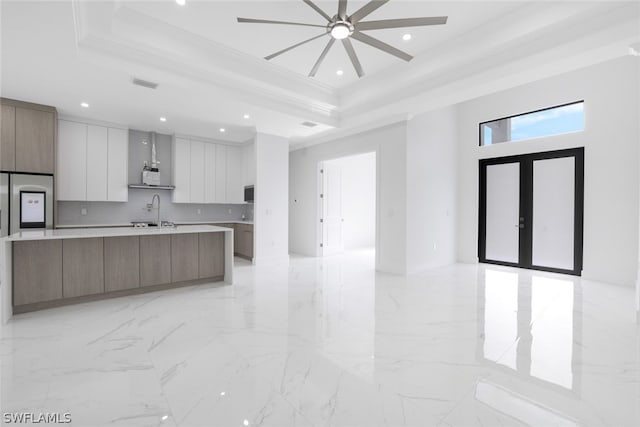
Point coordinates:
[(347, 189), (531, 211)]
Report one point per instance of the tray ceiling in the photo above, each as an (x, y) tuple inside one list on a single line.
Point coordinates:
[(211, 72)]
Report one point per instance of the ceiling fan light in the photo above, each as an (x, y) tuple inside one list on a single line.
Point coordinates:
[(340, 31)]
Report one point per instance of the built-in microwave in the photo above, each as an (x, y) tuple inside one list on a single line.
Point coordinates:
[(248, 194)]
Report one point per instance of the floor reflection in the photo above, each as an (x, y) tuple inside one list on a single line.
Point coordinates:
[(520, 407), (539, 346)]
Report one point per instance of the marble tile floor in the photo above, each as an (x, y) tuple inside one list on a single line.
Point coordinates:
[(330, 342)]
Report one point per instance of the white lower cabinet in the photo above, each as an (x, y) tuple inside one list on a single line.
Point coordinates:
[(92, 162)]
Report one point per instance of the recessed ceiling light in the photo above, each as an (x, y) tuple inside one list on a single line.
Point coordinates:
[(246, 116), (84, 105), (164, 417), (406, 37), (223, 130), (222, 393), (181, 2), (163, 119), (245, 422), (339, 72)]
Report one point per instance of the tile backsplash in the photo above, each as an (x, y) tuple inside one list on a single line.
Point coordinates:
[(71, 213)]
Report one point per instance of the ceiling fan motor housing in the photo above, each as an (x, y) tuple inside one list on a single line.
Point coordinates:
[(340, 29)]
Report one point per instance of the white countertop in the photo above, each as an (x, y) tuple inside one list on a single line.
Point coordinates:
[(79, 233), (231, 221)]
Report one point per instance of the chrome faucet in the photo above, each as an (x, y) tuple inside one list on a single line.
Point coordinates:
[(152, 206)]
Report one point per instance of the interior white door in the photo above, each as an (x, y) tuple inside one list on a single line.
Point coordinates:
[(332, 241), (503, 212), (553, 213)]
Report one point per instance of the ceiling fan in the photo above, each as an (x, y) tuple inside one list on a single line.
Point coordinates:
[(343, 27)]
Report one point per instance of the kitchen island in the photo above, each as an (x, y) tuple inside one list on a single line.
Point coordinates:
[(50, 268)]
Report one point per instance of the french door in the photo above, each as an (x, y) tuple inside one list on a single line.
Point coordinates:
[(531, 211)]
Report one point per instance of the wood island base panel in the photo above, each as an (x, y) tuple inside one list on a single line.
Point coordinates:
[(52, 268), (113, 294)]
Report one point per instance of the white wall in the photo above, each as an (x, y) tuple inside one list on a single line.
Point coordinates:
[(431, 189), (389, 143), (271, 209), (358, 200), (611, 136)]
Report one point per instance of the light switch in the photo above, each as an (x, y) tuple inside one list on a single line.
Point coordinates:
[(83, 211)]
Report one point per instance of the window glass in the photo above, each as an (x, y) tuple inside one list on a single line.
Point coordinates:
[(551, 121)]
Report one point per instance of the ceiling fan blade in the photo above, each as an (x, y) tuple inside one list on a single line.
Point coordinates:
[(366, 10), (266, 21), (381, 45), (400, 23), (317, 9), (280, 52), (342, 9), (315, 68), (353, 57)]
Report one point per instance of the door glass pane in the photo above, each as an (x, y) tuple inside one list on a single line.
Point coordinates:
[(503, 211), (553, 213)]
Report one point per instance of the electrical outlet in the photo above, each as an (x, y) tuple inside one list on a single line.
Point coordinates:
[(198, 211), (83, 211), (229, 210), (435, 246)]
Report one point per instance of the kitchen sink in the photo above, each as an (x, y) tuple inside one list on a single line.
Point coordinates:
[(143, 224)]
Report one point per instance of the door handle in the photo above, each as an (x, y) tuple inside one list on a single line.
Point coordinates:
[(519, 226)]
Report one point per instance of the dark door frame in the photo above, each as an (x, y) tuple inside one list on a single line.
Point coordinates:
[(526, 208)]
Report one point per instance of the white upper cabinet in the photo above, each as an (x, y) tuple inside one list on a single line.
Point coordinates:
[(221, 174), (197, 172), (205, 172), (118, 165), (234, 184), (249, 161), (71, 176), (181, 175), (97, 148), (91, 162), (209, 173)]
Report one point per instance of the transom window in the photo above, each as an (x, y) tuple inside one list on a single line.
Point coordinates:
[(550, 121)]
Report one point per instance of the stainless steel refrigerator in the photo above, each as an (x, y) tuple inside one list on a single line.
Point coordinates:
[(26, 202), (4, 204)]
